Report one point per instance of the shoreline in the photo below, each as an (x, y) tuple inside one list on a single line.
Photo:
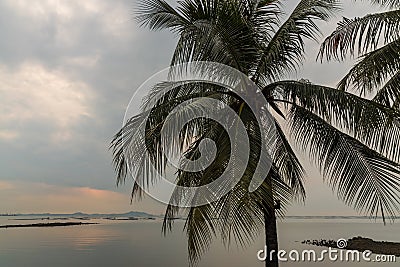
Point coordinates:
[(56, 224)]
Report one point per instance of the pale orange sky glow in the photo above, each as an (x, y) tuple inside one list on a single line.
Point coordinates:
[(21, 197), (27, 197)]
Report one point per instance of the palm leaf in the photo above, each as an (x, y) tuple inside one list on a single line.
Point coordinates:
[(390, 92), (388, 3), (284, 52), (371, 122), (288, 165), (158, 15), (362, 177), (360, 35), (374, 69)]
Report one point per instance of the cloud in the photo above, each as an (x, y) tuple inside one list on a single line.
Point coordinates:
[(8, 135), (33, 93), (96, 50), (110, 15), (89, 61), (5, 185)]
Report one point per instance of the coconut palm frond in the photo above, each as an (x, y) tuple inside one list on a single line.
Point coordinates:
[(288, 165), (388, 3), (371, 122), (359, 35), (158, 15), (219, 34), (390, 92), (374, 69), (200, 231), (361, 176), (285, 50)]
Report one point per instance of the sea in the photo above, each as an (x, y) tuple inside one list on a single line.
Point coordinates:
[(140, 243)]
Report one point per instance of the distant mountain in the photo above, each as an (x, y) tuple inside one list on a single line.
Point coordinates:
[(137, 214)]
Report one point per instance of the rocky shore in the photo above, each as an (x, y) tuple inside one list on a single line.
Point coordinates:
[(361, 244)]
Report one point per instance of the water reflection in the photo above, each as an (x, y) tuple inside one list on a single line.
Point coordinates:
[(141, 244)]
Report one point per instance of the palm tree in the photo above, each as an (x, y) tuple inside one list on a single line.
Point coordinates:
[(333, 126)]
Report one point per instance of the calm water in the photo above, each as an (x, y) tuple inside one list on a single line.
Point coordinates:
[(140, 243)]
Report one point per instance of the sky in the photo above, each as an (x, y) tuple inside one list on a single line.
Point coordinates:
[(68, 69)]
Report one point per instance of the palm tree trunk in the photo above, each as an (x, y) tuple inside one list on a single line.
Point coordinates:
[(271, 238)]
